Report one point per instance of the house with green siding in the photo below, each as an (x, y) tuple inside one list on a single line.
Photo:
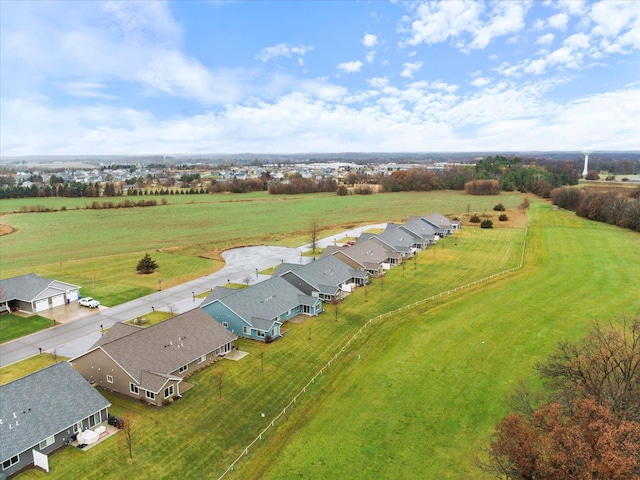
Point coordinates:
[(258, 311)]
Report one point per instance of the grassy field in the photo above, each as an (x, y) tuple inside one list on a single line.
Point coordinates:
[(15, 326), (418, 393), (99, 249)]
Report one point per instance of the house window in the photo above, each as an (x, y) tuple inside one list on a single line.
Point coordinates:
[(183, 368), (225, 324), (203, 358), (273, 332), (109, 379), (12, 461), (134, 388), (246, 330), (260, 333), (46, 442), (150, 395), (168, 392)]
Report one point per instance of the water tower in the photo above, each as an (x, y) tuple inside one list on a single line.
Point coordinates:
[(586, 152)]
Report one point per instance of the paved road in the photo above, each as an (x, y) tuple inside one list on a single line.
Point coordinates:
[(76, 337)]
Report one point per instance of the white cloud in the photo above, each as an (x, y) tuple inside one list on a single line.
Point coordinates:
[(558, 21), (378, 82), (370, 40), (370, 56), (283, 50), (546, 39), (436, 22), (481, 82), (408, 69), (350, 67)]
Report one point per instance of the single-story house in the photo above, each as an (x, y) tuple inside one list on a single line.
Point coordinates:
[(448, 225), (258, 311), (369, 255), (31, 293), (43, 411), (326, 278), (396, 239), (427, 230), (149, 364)]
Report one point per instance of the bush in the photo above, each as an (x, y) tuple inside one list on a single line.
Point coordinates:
[(592, 175), (486, 223), (475, 218), (482, 187), (499, 208), (503, 217), (342, 191)]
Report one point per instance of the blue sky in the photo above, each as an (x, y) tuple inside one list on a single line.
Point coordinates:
[(256, 76)]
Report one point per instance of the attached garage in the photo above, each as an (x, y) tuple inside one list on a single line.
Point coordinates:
[(32, 293), (41, 305)]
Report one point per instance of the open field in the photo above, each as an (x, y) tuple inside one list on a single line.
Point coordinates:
[(15, 326), (99, 249), (417, 393)]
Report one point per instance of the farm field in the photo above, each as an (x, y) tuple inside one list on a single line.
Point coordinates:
[(98, 249), (417, 394)]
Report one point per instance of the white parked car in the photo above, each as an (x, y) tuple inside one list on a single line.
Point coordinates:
[(88, 302)]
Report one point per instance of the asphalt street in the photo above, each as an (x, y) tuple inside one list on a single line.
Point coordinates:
[(242, 264)]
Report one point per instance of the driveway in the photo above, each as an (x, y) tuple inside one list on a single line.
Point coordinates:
[(81, 327)]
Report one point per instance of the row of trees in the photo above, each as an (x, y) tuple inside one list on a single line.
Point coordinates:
[(67, 189), (602, 206), (297, 185), (585, 424)]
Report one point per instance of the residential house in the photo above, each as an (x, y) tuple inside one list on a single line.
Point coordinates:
[(422, 227), (31, 293), (326, 278), (369, 256), (449, 226), (397, 239), (258, 311), (43, 411), (150, 364)]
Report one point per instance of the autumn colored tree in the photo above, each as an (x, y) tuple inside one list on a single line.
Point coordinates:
[(586, 442), (586, 422), (130, 432)]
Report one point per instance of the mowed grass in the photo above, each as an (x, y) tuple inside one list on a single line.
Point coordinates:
[(210, 224), (15, 326), (420, 393), (417, 394), (200, 435)]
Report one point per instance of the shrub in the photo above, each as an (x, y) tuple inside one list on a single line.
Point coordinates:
[(592, 175), (503, 217), (499, 207), (475, 218), (342, 191), (482, 187), (486, 223), (610, 178)]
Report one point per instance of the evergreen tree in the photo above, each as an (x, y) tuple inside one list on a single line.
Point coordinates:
[(146, 264)]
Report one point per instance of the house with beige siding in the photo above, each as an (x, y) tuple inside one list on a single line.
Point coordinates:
[(149, 364)]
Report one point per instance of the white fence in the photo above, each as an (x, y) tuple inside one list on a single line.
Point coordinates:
[(357, 334)]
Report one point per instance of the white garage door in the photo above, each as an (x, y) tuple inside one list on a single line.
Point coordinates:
[(58, 300), (42, 305), (72, 296)]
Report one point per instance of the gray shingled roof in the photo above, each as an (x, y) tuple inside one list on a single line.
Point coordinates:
[(422, 228), (439, 220), (266, 300), (43, 404), (31, 287), (326, 274), (150, 354), (367, 253)]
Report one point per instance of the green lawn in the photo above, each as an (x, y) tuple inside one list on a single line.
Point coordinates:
[(15, 326), (417, 393), (99, 249), (30, 365)]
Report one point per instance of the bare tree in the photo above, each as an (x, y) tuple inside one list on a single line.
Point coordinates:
[(314, 231), (130, 431)]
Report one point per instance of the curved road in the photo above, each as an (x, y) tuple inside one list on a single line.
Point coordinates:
[(76, 337)]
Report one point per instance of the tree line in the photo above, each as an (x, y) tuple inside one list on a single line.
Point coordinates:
[(611, 207)]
